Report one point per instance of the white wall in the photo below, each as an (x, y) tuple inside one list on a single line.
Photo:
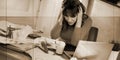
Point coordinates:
[(107, 18), (102, 9), (117, 29), (108, 28), (18, 7), (49, 10)]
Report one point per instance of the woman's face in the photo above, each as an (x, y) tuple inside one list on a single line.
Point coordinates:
[(70, 18)]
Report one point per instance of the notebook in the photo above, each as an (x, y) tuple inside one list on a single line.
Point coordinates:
[(93, 50)]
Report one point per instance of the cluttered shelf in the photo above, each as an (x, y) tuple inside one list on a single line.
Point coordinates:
[(114, 4)]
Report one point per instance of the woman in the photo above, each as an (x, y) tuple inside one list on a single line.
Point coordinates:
[(72, 25)]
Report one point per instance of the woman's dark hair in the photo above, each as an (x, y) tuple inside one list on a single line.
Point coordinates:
[(72, 5)]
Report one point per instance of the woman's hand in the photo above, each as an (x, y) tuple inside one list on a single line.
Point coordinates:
[(60, 17), (60, 39), (79, 21)]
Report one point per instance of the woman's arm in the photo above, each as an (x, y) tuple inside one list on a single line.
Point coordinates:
[(85, 29), (79, 20), (55, 32), (81, 33), (60, 17)]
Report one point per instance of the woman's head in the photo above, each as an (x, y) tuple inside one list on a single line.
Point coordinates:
[(70, 10)]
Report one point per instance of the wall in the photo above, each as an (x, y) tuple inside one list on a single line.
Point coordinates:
[(107, 18), (108, 28), (48, 13), (19, 11), (103, 9), (18, 7)]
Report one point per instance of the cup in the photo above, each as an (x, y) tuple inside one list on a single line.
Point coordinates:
[(60, 47)]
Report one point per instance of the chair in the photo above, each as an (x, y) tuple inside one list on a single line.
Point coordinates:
[(92, 36)]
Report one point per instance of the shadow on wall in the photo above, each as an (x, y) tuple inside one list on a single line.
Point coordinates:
[(108, 28)]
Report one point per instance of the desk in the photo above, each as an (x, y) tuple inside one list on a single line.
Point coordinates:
[(36, 53)]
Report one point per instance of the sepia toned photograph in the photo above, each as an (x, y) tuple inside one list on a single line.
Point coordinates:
[(59, 29)]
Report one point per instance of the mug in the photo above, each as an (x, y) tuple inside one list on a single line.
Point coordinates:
[(60, 47)]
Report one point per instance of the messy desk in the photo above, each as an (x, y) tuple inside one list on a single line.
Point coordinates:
[(31, 46)]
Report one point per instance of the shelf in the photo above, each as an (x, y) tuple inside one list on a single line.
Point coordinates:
[(111, 3)]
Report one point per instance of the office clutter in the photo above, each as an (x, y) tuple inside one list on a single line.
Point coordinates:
[(47, 43), (35, 34), (32, 39), (16, 32), (22, 34)]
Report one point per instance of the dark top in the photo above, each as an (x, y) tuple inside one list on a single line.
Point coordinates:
[(67, 34), (72, 35)]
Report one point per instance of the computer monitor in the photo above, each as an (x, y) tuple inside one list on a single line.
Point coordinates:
[(93, 50)]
